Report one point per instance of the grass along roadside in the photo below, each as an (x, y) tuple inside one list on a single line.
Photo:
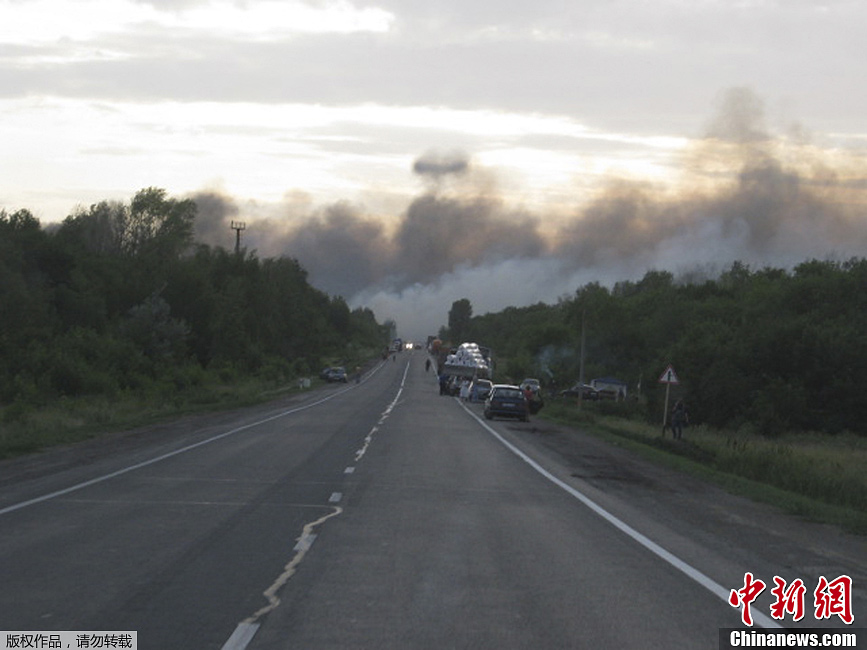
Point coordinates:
[(821, 478), (70, 420), (39, 421)]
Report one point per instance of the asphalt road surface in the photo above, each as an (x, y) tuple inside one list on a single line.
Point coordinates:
[(380, 515)]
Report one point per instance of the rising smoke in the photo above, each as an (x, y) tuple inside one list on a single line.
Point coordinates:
[(745, 194)]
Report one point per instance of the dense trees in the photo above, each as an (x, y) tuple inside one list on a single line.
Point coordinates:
[(119, 297), (770, 349), (459, 319)]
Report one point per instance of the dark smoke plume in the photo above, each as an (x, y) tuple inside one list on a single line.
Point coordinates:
[(215, 214), (745, 195), (437, 165), (343, 252), (437, 235)]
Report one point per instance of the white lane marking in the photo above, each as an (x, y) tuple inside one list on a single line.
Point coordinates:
[(288, 571), (367, 440), (305, 542), (182, 450), (388, 409), (715, 588), (241, 637), (248, 628)]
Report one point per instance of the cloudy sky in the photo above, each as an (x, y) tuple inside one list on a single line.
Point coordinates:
[(411, 153)]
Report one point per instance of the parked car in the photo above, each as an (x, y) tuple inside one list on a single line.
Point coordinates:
[(507, 401), (336, 374), (480, 389), (610, 388), (532, 384), (586, 392)]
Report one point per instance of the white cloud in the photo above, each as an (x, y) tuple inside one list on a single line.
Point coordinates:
[(261, 151), (273, 19), (39, 22)]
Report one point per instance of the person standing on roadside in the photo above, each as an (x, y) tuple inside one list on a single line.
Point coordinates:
[(679, 419)]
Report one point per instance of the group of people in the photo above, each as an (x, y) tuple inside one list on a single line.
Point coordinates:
[(448, 385)]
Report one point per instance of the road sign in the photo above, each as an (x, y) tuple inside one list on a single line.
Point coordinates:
[(669, 376)]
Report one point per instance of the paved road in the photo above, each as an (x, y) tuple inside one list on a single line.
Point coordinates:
[(381, 515)]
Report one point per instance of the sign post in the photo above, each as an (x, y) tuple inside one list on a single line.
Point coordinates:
[(668, 378)]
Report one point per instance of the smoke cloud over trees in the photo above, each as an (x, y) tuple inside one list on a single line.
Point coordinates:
[(743, 193)]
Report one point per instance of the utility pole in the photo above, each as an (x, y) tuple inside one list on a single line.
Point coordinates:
[(238, 226)]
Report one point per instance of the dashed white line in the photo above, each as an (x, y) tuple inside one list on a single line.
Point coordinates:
[(241, 637), (305, 542), (246, 630), (182, 450)]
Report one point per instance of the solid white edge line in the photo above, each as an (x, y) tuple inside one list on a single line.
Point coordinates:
[(715, 588), (201, 443)]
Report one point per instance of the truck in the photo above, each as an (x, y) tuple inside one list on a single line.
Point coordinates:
[(467, 360)]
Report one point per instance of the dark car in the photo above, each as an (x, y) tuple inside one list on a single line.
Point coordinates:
[(506, 401), (336, 374), (585, 391)]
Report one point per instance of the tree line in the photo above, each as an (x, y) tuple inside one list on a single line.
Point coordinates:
[(770, 349), (119, 297)]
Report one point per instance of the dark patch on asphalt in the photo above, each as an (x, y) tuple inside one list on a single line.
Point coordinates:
[(586, 459)]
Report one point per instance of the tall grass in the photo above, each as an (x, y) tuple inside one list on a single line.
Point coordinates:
[(30, 428), (815, 475), (43, 420)]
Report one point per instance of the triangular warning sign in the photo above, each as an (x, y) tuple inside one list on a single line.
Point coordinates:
[(669, 376)]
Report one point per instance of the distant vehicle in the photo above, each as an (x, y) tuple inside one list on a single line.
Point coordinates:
[(532, 384), (585, 391), (324, 373), (507, 401), (610, 388), (336, 374), (480, 389)]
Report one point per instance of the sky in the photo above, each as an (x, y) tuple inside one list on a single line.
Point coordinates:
[(413, 153)]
